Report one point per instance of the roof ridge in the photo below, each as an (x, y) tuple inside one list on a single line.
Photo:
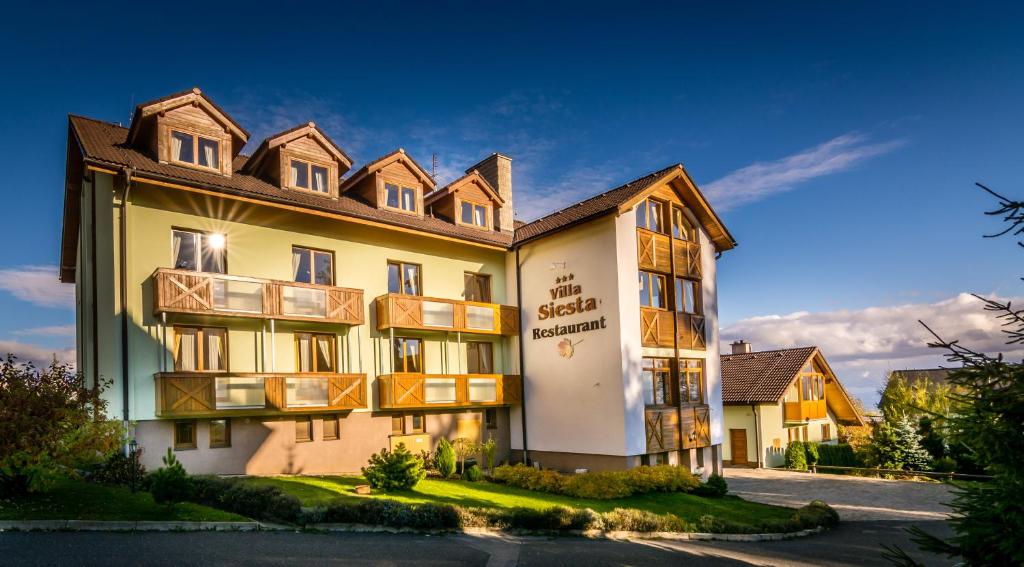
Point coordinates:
[(97, 120)]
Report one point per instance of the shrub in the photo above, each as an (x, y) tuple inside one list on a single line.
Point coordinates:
[(599, 485), (266, 503), (170, 483), (379, 511), (628, 519), (474, 474), (816, 513), (394, 470), (944, 464), (796, 456), (715, 487), (444, 458), (119, 470), (840, 455), (812, 453)]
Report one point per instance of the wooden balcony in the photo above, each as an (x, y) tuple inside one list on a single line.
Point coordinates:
[(425, 391), (200, 293), (695, 426), (653, 251), (691, 331), (805, 410), (656, 329), (670, 428), (431, 313), (687, 259), (194, 394)]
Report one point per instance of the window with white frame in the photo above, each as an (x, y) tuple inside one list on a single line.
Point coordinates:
[(199, 251)]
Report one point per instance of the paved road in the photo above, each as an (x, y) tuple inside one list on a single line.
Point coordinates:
[(853, 543), (855, 498)]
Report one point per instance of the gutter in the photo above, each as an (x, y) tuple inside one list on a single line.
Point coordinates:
[(522, 368), (757, 434), (124, 290)]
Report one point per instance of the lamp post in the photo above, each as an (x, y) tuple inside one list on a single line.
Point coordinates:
[(133, 458)]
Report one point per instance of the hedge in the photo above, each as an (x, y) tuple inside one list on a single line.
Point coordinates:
[(838, 456), (599, 485), (266, 503)]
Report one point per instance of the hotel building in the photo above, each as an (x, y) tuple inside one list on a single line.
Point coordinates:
[(289, 312)]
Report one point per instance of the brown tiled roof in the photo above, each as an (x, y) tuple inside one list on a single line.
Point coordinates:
[(590, 208), (104, 144), (761, 377)]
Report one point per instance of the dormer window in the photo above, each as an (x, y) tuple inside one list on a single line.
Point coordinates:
[(305, 175), (195, 150), (473, 214), (401, 198)]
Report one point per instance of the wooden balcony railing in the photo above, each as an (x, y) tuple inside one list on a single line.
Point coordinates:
[(194, 394), (687, 259), (802, 411), (421, 391), (670, 428), (656, 327), (691, 331), (183, 291), (653, 251), (695, 426), (416, 312)]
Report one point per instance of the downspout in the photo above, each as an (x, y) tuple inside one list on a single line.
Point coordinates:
[(124, 290), (522, 367), (94, 311), (757, 434)]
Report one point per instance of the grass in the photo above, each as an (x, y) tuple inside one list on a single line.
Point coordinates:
[(321, 490), (78, 500)]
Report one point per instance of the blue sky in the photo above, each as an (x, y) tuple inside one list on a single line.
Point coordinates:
[(840, 142)]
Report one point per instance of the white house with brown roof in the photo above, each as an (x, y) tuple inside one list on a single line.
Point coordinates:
[(773, 397)]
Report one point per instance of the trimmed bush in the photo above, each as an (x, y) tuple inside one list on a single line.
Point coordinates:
[(444, 458), (815, 514), (812, 452), (599, 485), (119, 470), (266, 503), (944, 464), (474, 474), (170, 483), (715, 487), (383, 512), (796, 456), (840, 455), (394, 470), (628, 519)]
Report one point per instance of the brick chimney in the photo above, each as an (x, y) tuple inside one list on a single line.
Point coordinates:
[(497, 170), (741, 347)]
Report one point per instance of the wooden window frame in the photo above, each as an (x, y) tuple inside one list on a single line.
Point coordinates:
[(488, 214), (417, 197), (698, 308), (490, 347), (666, 369), (171, 130), (645, 204), (684, 372), (686, 218), (404, 370), (227, 434), (400, 421), (286, 175), (486, 277), (401, 277), (312, 341), (331, 418), (198, 234), (826, 431), (308, 421), (201, 348), (180, 445), (412, 423), (664, 285), (312, 263)]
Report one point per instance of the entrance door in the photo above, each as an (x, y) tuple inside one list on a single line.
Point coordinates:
[(738, 440)]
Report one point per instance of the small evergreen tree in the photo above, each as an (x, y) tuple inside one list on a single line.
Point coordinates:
[(394, 470), (796, 456), (444, 458), (170, 483), (897, 445)]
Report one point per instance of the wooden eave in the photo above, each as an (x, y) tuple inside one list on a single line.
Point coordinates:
[(679, 180), (309, 129), (194, 96), (454, 186), (376, 166)]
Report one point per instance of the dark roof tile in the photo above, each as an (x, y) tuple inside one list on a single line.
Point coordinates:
[(761, 377)]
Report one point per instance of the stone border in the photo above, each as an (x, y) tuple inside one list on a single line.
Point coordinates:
[(129, 526)]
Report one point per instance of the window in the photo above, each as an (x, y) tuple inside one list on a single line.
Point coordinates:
[(195, 150), (401, 198), (656, 376), (397, 425), (649, 215), (473, 214), (687, 296), (304, 175), (793, 434), (812, 383), (682, 228), (408, 355), (477, 287), (312, 266), (331, 427), (200, 349), (491, 418), (404, 278), (691, 381), (220, 433), (652, 290), (315, 352), (826, 432), (419, 423), (199, 251), (479, 357), (303, 429), (184, 435)]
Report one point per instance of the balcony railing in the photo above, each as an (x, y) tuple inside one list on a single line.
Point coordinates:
[(687, 259), (183, 291), (653, 250), (416, 312), (805, 410), (193, 394), (424, 391), (669, 428), (691, 331), (695, 426)]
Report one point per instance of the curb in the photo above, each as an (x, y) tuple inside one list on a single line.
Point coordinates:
[(130, 526)]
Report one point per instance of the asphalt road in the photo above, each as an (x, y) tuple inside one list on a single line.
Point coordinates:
[(853, 543)]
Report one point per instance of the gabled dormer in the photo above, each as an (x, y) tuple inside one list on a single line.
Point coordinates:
[(394, 182), (300, 159), (189, 130), (468, 201)]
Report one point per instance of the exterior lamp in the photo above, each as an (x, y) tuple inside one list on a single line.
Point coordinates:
[(133, 457), (216, 241)]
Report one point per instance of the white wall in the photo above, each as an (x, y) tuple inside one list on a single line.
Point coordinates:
[(713, 362)]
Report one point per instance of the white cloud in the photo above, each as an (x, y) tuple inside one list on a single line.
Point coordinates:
[(761, 179), (863, 344), (51, 331), (37, 285), (38, 355)]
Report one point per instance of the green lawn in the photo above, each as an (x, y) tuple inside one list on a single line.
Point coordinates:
[(316, 490), (77, 500)]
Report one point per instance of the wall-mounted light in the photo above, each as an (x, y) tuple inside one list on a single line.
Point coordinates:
[(216, 241)]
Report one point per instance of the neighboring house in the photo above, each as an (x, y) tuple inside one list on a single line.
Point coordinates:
[(286, 312), (774, 397)]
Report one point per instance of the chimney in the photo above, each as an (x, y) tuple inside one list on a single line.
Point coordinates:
[(497, 170), (741, 347)]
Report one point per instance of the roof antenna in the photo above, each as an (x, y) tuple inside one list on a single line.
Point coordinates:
[(433, 167), (131, 109)]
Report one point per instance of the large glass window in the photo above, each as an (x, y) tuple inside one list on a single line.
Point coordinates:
[(480, 357), (199, 251), (402, 198), (652, 290), (691, 381), (407, 355), (687, 296), (682, 228), (477, 287), (404, 278), (200, 349), (312, 266), (656, 376), (195, 150), (650, 215), (315, 352)]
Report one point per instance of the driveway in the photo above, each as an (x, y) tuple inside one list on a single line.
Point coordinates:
[(855, 498)]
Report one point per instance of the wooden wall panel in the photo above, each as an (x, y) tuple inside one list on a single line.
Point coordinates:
[(653, 252), (656, 328)]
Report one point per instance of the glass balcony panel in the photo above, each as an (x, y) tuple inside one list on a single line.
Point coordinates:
[(305, 391), (439, 390), (437, 314), (237, 295), (483, 390), (481, 318), (303, 301), (240, 392)]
